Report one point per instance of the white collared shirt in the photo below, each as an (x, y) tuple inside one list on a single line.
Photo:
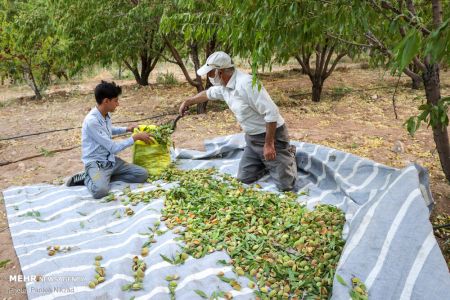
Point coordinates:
[(253, 108)]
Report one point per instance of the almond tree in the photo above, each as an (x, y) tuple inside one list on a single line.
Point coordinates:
[(31, 48), (274, 31), (423, 32), (192, 32), (114, 31)]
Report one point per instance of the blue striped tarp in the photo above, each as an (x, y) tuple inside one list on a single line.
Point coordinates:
[(390, 244)]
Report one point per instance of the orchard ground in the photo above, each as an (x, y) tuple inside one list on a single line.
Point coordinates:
[(355, 115)]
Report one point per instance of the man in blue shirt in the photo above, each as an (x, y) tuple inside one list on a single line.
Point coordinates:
[(98, 149)]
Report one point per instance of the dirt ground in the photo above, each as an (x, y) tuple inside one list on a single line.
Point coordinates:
[(355, 115)]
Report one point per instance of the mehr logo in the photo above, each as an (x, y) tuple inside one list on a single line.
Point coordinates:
[(37, 278), (21, 278)]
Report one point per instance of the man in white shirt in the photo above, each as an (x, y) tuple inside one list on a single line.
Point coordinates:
[(266, 135)]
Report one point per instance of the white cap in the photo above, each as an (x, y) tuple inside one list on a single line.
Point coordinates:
[(217, 60)]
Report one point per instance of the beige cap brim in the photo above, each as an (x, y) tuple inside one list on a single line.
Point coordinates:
[(204, 70)]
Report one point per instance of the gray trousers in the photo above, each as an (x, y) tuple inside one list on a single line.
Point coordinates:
[(100, 174), (283, 169)]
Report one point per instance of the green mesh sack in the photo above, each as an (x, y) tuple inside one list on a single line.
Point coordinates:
[(154, 157)]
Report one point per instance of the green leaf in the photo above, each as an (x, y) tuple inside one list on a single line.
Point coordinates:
[(410, 49), (201, 294), (341, 280), (147, 243), (3, 263), (33, 214), (411, 125), (434, 117), (438, 43), (165, 258), (423, 116), (217, 295), (224, 279), (424, 107), (222, 262), (393, 28), (46, 153), (444, 118), (354, 295)]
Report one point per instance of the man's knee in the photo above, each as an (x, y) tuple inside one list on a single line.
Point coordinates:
[(250, 177), (285, 174), (99, 191), (141, 175), (286, 186), (247, 180)]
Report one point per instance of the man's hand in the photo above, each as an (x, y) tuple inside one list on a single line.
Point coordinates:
[(269, 143), (131, 128), (143, 136), (269, 151), (184, 108), (197, 99)]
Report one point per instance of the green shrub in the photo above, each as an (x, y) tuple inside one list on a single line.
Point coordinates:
[(166, 79), (339, 92)]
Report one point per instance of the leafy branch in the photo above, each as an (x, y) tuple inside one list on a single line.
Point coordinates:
[(434, 115)]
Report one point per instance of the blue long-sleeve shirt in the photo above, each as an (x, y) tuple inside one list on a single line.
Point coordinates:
[(96, 138)]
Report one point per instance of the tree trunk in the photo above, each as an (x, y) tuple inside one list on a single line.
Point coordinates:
[(431, 82), (440, 134), (29, 78), (135, 72), (144, 79), (62, 74), (145, 69), (137, 76), (179, 61), (210, 47), (323, 69), (416, 83), (413, 72), (46, 79), (317, 88), (201, 107), (141, 79)]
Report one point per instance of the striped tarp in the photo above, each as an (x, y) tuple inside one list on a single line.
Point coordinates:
[(389, 240)]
